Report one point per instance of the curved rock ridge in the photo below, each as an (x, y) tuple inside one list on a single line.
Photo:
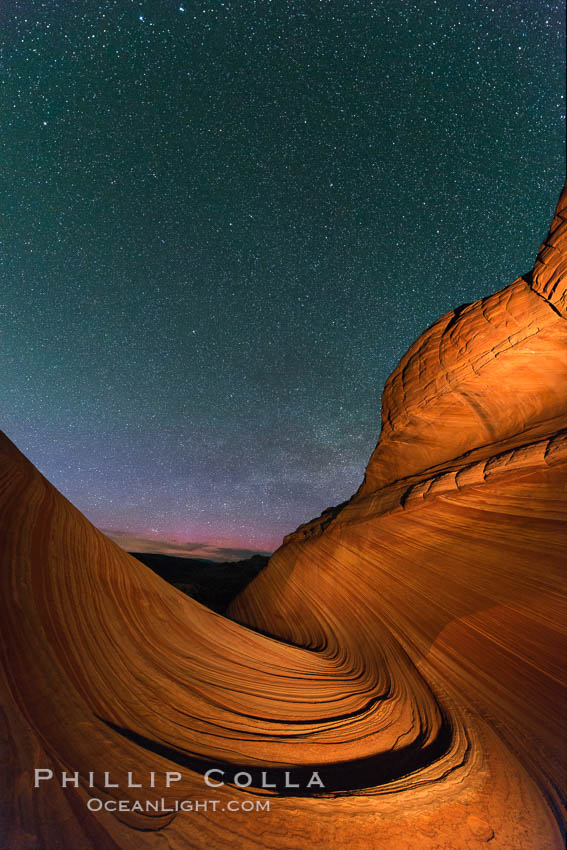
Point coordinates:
[(407, 648), (550, 271), (549, 452)]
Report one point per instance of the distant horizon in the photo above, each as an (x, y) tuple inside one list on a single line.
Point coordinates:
[(138, 544)]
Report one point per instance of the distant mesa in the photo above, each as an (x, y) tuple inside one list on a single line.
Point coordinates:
[(408, 647), (211, 583)]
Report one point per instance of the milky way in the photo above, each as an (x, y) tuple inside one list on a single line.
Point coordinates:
[(224, 223)]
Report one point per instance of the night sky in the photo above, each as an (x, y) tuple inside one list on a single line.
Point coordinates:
[(225, 222)]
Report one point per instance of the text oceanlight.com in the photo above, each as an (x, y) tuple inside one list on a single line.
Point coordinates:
[(95, 804)]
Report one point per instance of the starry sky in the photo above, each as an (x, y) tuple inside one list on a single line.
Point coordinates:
[(225, 222)]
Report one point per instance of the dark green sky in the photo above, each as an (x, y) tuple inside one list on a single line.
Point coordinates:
[(224, 223)]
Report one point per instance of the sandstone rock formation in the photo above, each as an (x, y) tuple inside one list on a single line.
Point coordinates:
[(409, 646)]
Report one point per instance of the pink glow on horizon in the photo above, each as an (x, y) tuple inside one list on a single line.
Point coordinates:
[(222, 549)]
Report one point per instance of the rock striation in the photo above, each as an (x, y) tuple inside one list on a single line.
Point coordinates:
[(408, 647)]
